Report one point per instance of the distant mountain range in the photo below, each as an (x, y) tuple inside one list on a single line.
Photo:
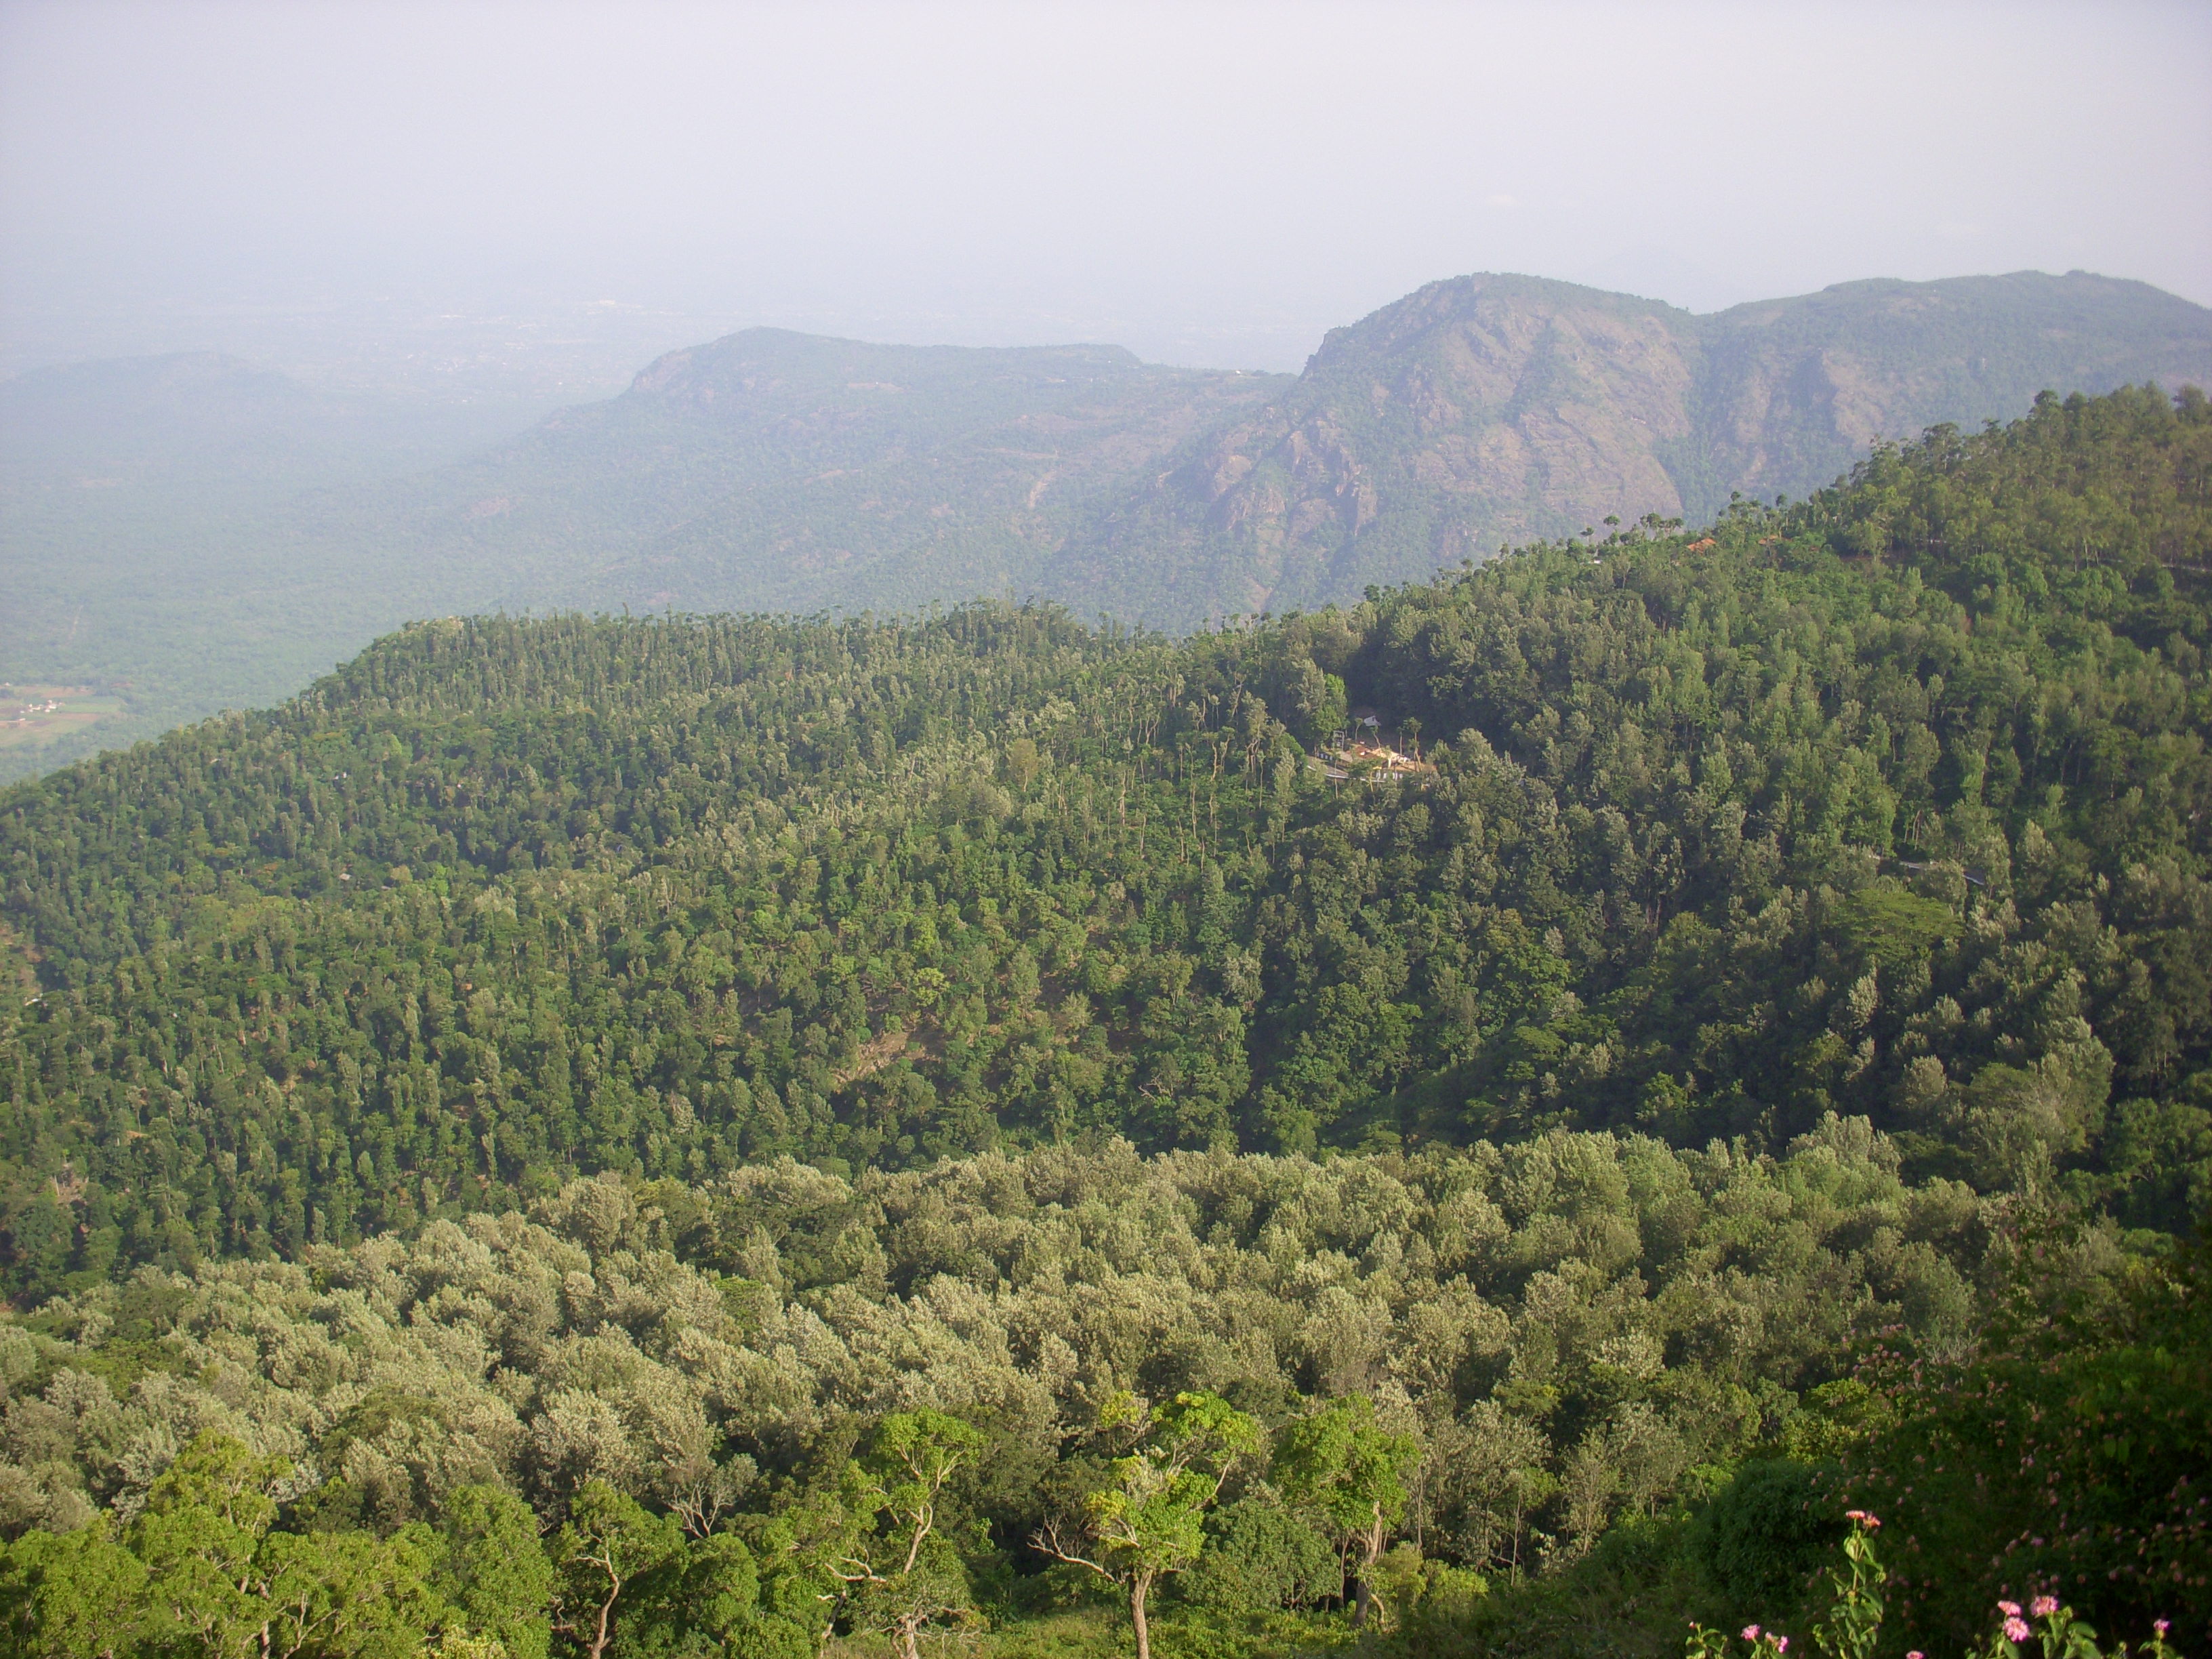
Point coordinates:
[(776, 471), (207, 422)]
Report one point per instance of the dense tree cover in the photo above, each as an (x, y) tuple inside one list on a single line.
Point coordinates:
[(1890, 805), (2071, 1448), (1549, 1397), (877, 1401)]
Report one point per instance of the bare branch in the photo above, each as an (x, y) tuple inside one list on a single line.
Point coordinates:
[(1046, 1541)]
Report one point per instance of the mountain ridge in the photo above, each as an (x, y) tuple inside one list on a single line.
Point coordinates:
[(1489, 408), (779, 463)]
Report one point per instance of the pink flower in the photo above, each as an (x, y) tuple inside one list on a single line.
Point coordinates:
[(1872, 1523), (2161, 1627), (1916, 1654), (1751, 1632), (2015, 1630), (2010, 1609), (2043, 1605), (1782, 1644)]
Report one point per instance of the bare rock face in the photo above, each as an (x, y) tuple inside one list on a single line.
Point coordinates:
[(1489, 410), (1473, 412)]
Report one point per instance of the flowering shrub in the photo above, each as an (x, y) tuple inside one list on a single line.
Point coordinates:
[(1855, 1615), (1714, 1645), (2061, 1635), (1857, 1609), (2071, 1453)]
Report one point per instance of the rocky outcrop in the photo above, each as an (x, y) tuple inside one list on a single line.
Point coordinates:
[(1493, 410)]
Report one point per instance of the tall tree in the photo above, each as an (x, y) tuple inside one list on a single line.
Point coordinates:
[(1148, 1521), (1343, 1463), (904, 1575), (609, 1542)]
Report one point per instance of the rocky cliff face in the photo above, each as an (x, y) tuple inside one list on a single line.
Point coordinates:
[(1791, 392), (1494, 409), (1476, 411)]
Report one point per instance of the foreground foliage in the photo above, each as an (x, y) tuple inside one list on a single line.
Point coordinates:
[(1857, 1610), (1548, 1398)]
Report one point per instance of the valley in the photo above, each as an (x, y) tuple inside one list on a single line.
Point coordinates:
[(37, 715), (886, 1125)]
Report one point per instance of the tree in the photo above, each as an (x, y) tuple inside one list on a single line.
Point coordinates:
[(720, 1585), (221, 1581), (495, 1573), (933, 1586), (78, 1595), (904, 1575), (198, 1536), (1150, 1520), (347, 1594), (1260, 1556), (707, 1594), (609, 1541), (1341, 1462), (797, 1551)]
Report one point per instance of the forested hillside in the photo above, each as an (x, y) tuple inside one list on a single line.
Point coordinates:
[(1771, 1025), (1886, 805)]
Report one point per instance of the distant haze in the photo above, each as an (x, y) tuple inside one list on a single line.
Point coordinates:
[(458, 192)]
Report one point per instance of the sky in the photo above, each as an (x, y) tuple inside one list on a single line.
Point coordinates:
[(1210, 184)]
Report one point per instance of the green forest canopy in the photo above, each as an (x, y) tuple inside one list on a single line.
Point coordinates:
[(1890, 804), (1795, 913)]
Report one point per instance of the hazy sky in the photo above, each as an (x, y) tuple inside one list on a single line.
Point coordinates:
[(1204, 183)]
